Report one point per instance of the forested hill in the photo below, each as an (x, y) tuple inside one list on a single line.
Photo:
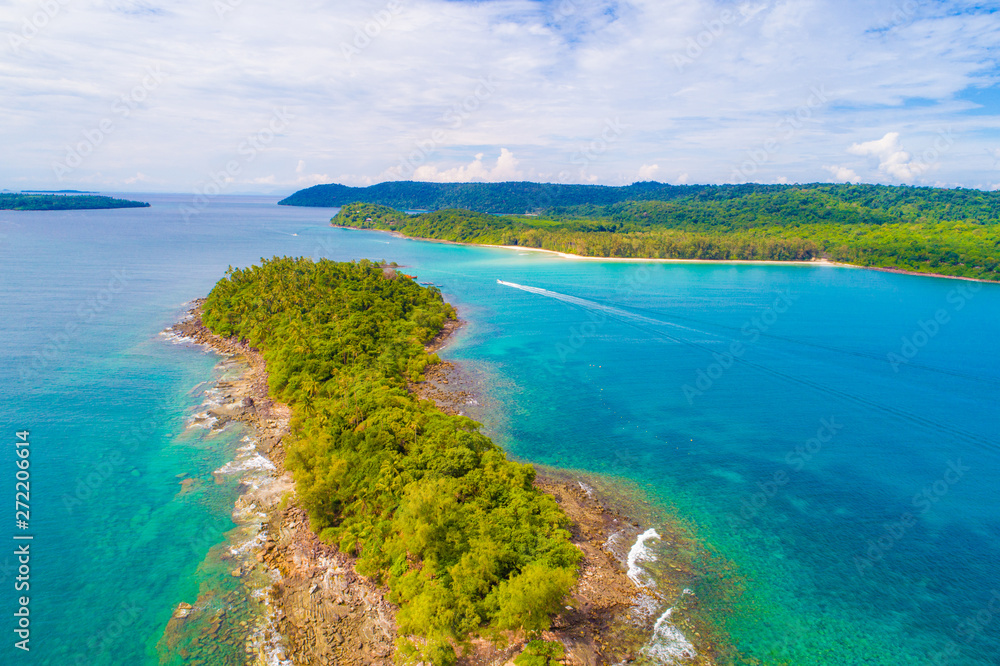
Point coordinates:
[(515, 197), (895, 203), (791, 226), (64, 202)]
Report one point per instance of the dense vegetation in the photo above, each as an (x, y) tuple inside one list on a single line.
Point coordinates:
[(431, 507), (64, 202), (804, 202), (515, 198), (864, 225)]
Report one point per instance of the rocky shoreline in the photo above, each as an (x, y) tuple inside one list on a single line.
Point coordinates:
[(323, 612)]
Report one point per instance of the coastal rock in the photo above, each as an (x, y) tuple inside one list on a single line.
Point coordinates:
[(183, 610)]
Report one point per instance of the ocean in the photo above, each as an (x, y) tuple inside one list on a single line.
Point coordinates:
[(829, 434)]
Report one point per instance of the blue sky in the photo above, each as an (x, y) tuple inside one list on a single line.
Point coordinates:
[(261, 96)]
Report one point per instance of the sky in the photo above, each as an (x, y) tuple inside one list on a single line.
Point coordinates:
[(240, 96)]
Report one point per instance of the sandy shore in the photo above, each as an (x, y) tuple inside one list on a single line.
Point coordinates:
[(748, 262), (323, 612), (580, 257)]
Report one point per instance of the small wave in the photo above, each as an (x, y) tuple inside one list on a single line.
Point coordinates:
[(251, 445), (586, 488), (267, 642), (176, 338), (640, 553), (646, 606), (668, 644), (202, 420), (252, 463), (256, 542)]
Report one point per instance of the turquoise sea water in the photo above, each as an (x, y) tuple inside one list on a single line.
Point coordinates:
[(857, 493)]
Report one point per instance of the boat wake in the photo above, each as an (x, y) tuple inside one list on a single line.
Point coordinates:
[(599, 307)]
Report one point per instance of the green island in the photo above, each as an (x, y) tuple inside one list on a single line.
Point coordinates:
[(953, 232), (465, 542), (25, 201)]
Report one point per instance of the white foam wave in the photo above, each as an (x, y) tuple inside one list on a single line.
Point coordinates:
[(668, 644), (250, 545), (176, 338), (640, 553), (251, 463), (202, 420), (251, 445), (268, 642)]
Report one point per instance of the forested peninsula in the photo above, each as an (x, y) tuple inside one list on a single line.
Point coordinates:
[(65, 202), (432, 508), (923, 230)]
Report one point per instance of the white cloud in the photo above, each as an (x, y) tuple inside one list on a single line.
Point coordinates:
[(892, 159), (304, 179), (505, 169), (648, 172), (995, 155), (842, 174), (555, 79)]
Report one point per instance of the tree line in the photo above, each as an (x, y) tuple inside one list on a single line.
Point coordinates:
[(868, 202), (64, 202), (899, 233)]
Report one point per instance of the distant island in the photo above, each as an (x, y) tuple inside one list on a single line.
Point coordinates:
[(57, 192), (67, 201), (947, 232), (812, 202)]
